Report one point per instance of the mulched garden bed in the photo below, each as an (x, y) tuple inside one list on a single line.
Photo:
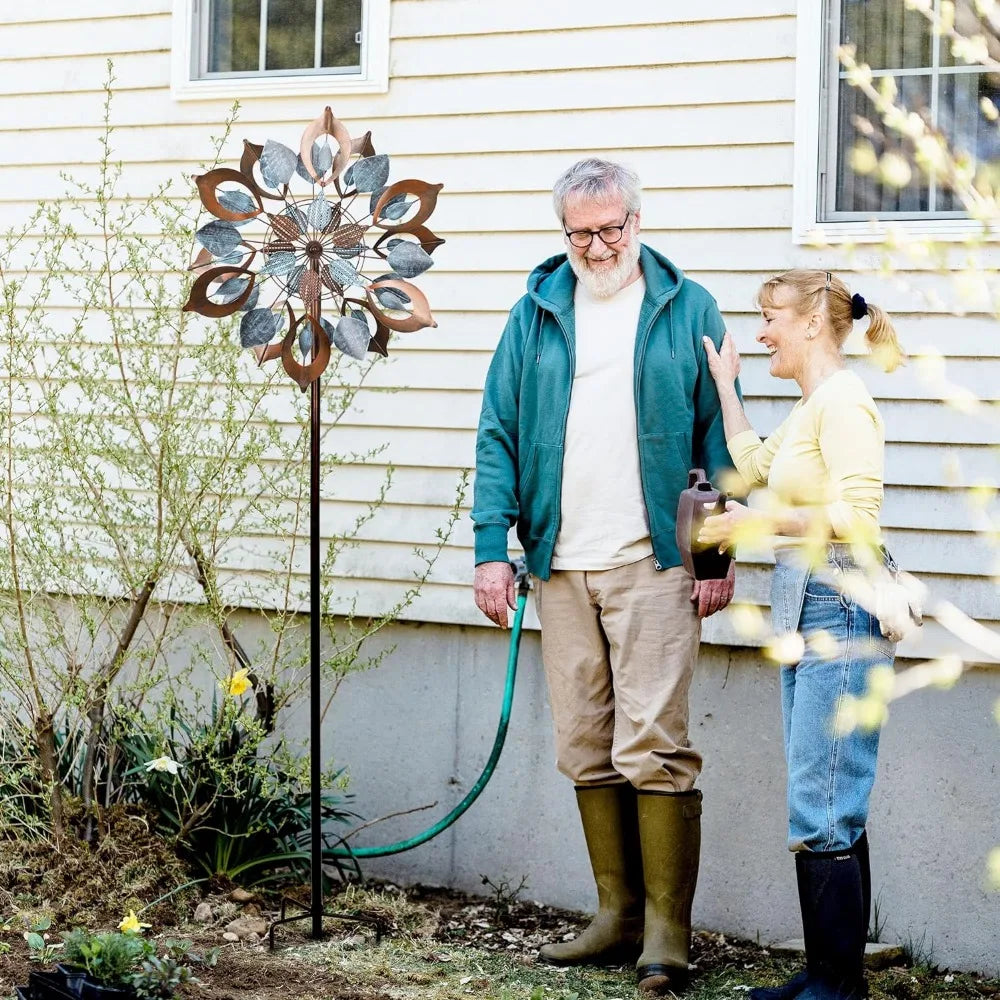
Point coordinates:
[(440, 943)]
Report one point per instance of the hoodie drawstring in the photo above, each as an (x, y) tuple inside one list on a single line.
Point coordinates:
[(670, 325)]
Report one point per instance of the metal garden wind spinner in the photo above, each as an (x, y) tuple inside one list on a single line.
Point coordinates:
[(314, 248)]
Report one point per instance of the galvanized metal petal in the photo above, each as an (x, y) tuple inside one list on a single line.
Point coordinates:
[(396, 208), (231, 289), (370, 172), (240, 204), (391, 298), (279, 263), (335, 215), (297, 216), (251, 303), (322, 157), (319, 213), (306, 337), (258, 327), (293, 279), (322, 160), (409, 259), (277, 164), (352, 336), (326, 276), (230, 258), (344, 274), (219, 237), (373, 201)]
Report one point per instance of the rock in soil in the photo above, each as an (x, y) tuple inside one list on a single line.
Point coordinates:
[(243, 927)]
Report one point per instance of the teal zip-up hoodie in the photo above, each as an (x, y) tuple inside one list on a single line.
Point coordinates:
[(522, 428)]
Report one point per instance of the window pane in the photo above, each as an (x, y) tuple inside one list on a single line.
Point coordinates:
[(233, 36), (341, 23), (886, 34), (961, 121), (861, 193), (291, 34)]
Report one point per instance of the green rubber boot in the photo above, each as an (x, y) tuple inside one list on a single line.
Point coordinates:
[(609, 820), (670, 833)]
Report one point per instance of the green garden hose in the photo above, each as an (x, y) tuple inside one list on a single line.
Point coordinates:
[(521, 578)]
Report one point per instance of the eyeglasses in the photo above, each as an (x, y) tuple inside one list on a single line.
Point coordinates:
[(582, 238)]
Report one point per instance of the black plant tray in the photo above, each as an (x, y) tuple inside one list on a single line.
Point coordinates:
[(48, 986), (62, 984)]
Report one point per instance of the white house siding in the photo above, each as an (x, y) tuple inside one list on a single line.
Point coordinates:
[(494, 100)]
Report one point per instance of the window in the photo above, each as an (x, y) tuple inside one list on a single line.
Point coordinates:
[(898, 43), (235, 48)]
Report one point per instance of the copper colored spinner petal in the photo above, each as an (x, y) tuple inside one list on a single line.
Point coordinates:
[(349, 236), (284, 227), (278, 246)]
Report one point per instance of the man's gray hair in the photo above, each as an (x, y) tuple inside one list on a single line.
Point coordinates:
[(595, 178)]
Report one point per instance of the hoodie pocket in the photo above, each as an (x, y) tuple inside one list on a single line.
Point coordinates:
[(665, 459), (539, 490)]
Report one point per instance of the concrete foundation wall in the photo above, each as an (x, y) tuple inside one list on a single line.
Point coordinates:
[(419, 729)]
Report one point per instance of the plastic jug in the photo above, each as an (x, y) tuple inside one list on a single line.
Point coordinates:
[(700, 500)]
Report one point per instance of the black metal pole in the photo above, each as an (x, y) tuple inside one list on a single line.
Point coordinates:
[(315, 690)]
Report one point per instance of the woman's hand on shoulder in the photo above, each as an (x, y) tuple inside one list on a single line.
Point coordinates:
[(724, 364)]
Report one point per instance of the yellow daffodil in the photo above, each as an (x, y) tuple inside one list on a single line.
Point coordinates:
[(131, 924), (239, 683), (167, 764)]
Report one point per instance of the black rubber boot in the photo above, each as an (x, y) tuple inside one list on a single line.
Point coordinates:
[(860, 848), (670, 831), (794, 987), (610, 824), (832, 895), (787, 991)]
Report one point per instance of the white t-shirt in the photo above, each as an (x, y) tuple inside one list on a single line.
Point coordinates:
[(603, 517)]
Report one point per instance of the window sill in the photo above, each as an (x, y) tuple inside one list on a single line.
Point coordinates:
[(876, 231), (276, 86)]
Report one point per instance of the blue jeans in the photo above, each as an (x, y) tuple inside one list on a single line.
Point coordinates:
[(830, 775)]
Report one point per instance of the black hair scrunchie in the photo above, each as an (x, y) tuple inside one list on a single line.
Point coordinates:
[(859, 307)]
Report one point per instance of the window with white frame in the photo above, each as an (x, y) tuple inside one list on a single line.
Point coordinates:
[(901, 43), (274, 47), (247, 37)]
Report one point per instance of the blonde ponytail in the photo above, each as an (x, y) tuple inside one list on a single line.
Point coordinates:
[(882, 340), (814, 290)]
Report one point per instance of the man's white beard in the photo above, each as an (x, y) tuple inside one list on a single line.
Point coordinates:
[(604, 283)]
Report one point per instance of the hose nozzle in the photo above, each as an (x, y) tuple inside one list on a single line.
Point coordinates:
[(522, 579)]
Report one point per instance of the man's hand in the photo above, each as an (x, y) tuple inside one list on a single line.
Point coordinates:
[(710, 596), (495, 591)]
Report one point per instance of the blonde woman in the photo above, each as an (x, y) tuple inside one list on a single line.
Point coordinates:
[(823, 467)]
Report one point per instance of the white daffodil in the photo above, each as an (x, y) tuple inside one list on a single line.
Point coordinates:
[(167, 764)]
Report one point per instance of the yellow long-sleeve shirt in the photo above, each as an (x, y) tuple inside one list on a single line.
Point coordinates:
[(829, 453)]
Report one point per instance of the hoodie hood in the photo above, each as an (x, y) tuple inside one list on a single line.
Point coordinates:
[(551, 285)]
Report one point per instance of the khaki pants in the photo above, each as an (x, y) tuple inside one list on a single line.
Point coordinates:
[(619, 648)]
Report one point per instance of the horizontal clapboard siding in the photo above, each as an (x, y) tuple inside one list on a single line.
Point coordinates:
[(494, 100)]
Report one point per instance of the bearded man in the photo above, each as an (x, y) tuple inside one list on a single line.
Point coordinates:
[(597, 402)]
